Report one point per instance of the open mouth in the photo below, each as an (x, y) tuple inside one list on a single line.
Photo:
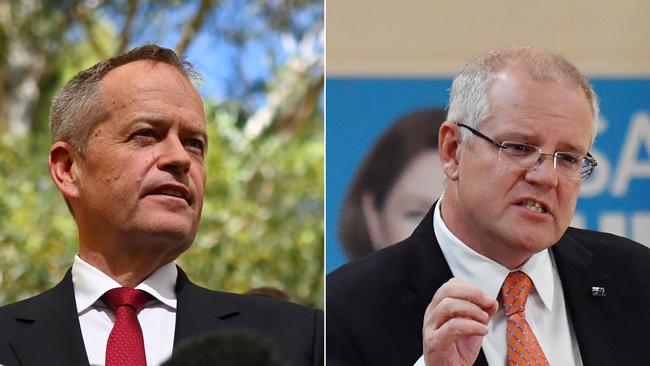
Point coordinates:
[(532, 205), (173, 191)]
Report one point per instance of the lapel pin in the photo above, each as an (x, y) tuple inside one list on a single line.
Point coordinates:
[(598, 291)]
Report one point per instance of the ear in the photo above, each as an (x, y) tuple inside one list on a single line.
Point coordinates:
[(63, 169), (373, 219), (449, 149)]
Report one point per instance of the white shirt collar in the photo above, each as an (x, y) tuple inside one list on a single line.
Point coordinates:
[(486, 274), (90, 284)]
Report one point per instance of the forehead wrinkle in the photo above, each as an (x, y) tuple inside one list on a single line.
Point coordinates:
[(526, 130), (535, 139), (118, 83), (180, 96)]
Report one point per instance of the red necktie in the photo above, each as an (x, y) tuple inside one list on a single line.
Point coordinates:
[(125, 345), (523, 348)]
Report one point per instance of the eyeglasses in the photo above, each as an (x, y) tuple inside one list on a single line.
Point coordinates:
[(567, 164)]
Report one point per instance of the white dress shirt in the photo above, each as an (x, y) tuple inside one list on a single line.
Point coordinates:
[(157, 319), (545, 309)]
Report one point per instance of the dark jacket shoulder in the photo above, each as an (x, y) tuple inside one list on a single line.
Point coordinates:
[(19, 315), (375, 305), (259, 311), (296, 331), (606, 243)]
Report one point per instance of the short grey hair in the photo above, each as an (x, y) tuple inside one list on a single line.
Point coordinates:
[(468, 99), (79, 107)]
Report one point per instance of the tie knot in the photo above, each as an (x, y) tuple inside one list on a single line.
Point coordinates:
[(514, 292), (117, 297)]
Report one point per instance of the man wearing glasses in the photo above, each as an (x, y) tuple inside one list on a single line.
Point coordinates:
[(493, 275)]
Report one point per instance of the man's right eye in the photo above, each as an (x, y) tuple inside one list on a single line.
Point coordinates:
[(519, 149), (146, 132)]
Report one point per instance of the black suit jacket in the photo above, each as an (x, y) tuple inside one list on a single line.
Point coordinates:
[(44, 330), (375, 306)]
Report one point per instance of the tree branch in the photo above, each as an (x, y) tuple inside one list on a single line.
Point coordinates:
[(84, 15), (125, 34), (193, 26)]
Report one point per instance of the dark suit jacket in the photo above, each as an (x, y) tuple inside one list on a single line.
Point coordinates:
[(375, 306), (44, 330)]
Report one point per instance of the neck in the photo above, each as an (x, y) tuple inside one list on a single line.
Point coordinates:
[(128, 272), (128, 258)]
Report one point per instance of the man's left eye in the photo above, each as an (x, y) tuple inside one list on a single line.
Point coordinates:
[(144, 133), (567, 158), (195, 143)]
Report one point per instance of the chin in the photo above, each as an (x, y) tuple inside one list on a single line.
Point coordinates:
[(534, 241), (169, 229)]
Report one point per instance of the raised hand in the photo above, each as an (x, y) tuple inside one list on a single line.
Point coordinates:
[(454, 324)]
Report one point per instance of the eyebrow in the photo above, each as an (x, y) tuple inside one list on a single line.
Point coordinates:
[(159, 123), (573, 149), (533, 140)]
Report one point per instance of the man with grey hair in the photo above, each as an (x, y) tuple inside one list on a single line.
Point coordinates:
[(493, 275), (129, 141)]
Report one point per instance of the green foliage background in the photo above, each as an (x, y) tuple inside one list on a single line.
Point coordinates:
[(263, 208), (263, 213)]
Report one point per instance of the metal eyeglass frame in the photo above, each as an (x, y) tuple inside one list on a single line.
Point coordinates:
[(583, 174)]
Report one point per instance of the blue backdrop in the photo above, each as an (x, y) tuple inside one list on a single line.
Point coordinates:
[(616, 199)]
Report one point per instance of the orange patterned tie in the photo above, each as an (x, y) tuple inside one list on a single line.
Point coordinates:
[(523, 348)]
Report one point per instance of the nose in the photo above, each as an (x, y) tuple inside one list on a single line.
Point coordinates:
[(543, 173), (174, 158)]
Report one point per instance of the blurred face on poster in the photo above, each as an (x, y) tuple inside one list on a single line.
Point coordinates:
[(394, 186), (407, 202)]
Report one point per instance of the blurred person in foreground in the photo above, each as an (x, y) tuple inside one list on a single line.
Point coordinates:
[(234, 348), (129, 140), (394, 186), (493, 275)]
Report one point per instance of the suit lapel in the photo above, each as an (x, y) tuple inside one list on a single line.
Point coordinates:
[(427, 271), (590, 315), (54, 336), (197, 310)]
